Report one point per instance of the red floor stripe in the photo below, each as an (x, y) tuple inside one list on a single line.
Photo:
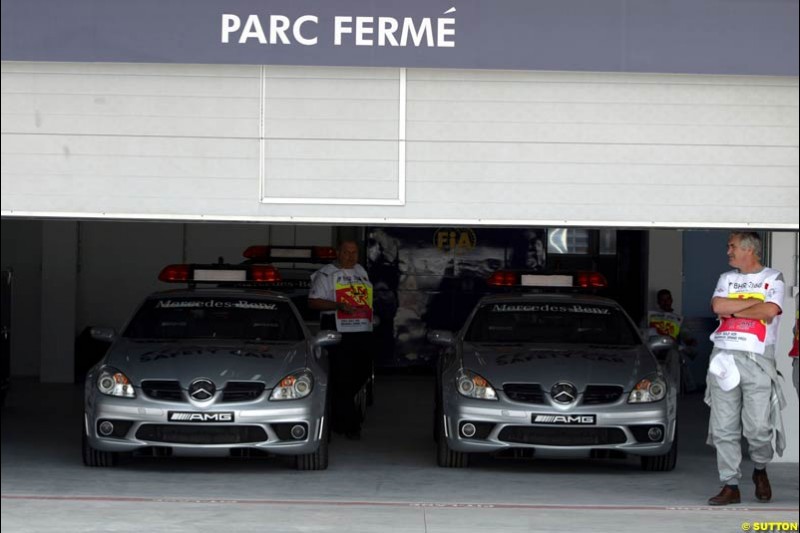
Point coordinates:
[(426, 505)]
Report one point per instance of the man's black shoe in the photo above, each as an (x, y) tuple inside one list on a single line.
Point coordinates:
[(729, 494), (763, 489)]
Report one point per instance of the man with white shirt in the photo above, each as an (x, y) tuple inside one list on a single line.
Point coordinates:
[(743, 391), (342, 292)]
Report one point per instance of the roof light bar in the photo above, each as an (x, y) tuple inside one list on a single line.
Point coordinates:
[(594, 280), (583, 280), (220, 274), (290, 253), (174, 273), (503, 278)]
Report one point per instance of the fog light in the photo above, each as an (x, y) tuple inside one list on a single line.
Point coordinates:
[(655, 433), (468, 430), (298, 432), (106, 428)]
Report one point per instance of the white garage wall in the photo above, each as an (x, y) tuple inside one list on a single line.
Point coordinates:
[(331, 133), (481, 147)]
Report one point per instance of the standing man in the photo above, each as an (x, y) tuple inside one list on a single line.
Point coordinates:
[(743, 391), (342, 292), (793, 350)]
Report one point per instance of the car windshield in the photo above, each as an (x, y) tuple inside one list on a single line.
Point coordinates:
[(561, 323), (215, 318)]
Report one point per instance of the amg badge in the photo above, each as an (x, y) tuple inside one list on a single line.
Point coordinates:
[(572, 420), (179, 416)]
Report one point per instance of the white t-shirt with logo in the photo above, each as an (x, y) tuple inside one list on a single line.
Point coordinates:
[(747, 334), (349, 285)]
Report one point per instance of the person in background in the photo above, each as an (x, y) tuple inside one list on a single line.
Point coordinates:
[(528, 251), (793, 350), (666, 321), (342, 292), (743, 391)]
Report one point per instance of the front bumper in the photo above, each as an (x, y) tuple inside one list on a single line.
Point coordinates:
[(262, 424), (503, 424)]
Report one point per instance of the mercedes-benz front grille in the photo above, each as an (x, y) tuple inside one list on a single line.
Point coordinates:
[(601, 394), (242, 391), (524, 392), (562, 436), (200, 434), (167, 390)]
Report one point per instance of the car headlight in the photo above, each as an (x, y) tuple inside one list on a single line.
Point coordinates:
[(650, 389), (112, 382), (294, 386), (472, 385)]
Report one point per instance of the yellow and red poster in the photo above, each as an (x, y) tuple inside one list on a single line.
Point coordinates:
[(665, 323), (744, 334), (356, 292)]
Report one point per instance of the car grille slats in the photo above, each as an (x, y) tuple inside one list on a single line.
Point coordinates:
[(242, 391), (163, 390), (524, 392), (601, 394), (534, 394), (562, 436), (200, 434)]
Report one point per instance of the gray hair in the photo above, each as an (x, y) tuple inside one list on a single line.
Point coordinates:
[(749, 240)]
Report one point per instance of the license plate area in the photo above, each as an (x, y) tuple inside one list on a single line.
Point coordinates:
[(200, 417), (564, 420)]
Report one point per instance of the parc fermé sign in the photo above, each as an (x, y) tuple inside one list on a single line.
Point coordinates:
[(690, 36)]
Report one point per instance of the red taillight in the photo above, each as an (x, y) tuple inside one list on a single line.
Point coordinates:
[(256, 252), (593, 280), (323, 253), (264, 274), (504, 278), (174, 273)]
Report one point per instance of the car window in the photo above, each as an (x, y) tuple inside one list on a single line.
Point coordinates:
[(562, 323), (215, 318)]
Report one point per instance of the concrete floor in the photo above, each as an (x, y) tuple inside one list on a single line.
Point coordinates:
[(388, 481)]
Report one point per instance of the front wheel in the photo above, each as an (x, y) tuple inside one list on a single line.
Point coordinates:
[(665, 462), (93, 457), (317, 460), (446, 457)]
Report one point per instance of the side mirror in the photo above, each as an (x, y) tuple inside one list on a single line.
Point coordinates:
[(661, 342), (441, 337), (327, 338), (103, 334)]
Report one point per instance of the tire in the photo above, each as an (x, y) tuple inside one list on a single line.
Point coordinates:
[(92, 457), (447, 458), (361, 403), (371, 389), (317, 460), (437, 419), (662, 463)]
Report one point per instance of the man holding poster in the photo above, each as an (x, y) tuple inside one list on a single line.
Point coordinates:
[(743, 390), (342, 292)]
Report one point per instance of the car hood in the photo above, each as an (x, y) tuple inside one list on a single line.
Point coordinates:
[(219, 361), (546, 365)]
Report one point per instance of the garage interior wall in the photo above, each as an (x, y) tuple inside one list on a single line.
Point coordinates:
[(210, 142), (69, 275)]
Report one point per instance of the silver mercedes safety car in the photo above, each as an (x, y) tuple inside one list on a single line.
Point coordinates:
[(552, 375), (210, 371)]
